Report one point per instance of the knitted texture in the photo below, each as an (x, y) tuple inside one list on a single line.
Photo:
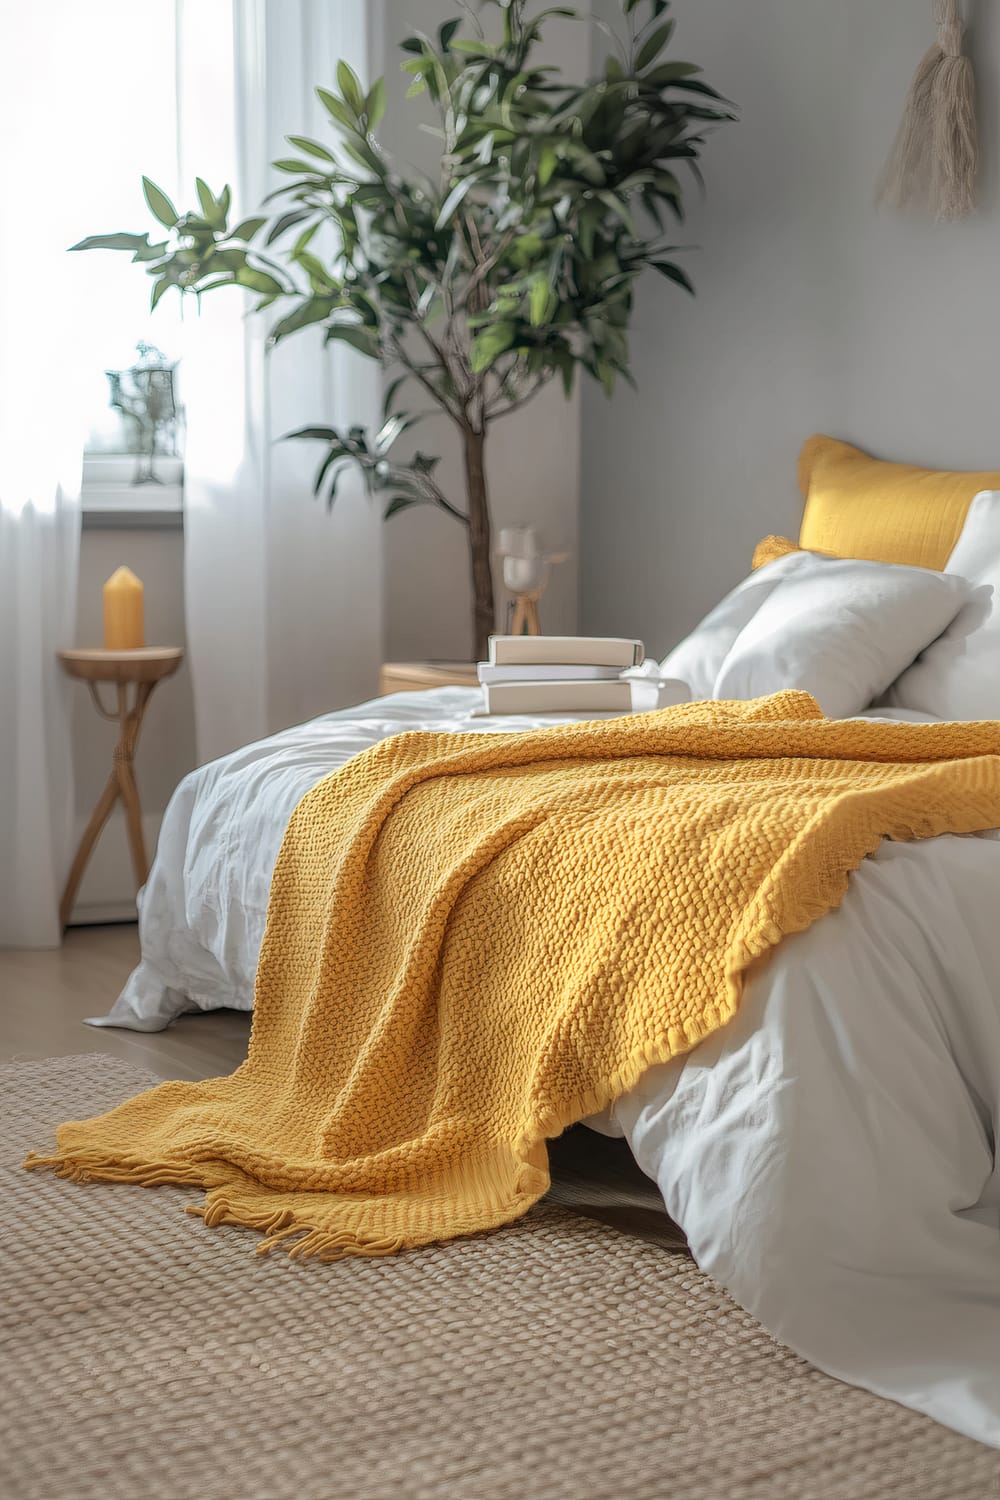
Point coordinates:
[(475, 940)]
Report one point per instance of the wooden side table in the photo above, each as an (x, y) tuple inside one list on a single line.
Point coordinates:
[(418, 676), (142, 669)]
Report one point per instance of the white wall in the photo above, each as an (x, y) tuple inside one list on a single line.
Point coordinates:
[(814, 310), (533, 457)]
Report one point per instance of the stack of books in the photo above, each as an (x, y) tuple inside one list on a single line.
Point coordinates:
[(570, 674)]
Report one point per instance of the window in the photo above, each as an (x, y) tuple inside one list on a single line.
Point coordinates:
[(133, 125)]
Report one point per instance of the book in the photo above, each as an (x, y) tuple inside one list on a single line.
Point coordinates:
[(548, 672), (624, 696), (567, 650)]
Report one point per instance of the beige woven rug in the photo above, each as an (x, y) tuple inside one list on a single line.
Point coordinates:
[(144, 1357)]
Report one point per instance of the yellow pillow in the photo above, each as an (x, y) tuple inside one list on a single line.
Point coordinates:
[(858, 506), (770, 549)]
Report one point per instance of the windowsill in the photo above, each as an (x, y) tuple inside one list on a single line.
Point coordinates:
[(110, 500), (146, 519)]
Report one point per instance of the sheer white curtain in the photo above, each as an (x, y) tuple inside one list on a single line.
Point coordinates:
[(283, 601), (87, 99), (44, 95)]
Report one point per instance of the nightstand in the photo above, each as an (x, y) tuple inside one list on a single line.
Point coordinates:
[(418, 676), (141, 670)]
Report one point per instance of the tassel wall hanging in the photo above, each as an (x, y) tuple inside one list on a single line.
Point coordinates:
[(932, 164)]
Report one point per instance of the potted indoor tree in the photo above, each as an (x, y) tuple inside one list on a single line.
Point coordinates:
[(515, 266)]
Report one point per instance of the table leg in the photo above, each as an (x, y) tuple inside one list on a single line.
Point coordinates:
[(98, 818), (121, 783), (133, 820)]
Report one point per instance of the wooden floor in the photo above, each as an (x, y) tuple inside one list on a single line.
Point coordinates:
[(44, 996)]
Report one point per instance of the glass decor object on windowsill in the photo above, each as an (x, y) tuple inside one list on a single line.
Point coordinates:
[(145, 396)]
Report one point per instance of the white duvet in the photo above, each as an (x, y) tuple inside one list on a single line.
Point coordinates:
[(830, 1154)]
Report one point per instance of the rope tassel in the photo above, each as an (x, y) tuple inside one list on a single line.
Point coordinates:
[(935, 155)]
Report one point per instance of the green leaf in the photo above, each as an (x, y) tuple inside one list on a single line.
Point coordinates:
[(295, 165), (398, 503), (446, 33), (159, 287), (312, 148), (231, 259), (318, 274), (323, 434), (488, 345), (332, 492), (548, 160), (696, 86), (392, 428), (303, 239), (259, 281), (621, 210), (542, 301), (654, 45), (160, 205), (337, 108), (673, 273), (285, 222), (310, 310), (452, 201), (151, 252), (209, 207), (670, 72), (362, 339), (132, 242), (335, 454), (375, 104), (247, 228), (364, 156), (350, 87)]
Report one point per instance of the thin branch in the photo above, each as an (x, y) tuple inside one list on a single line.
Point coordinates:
[(436, 349), (487, 264), (439, 499), (473, 18), (457, 413), (494, 411), (472, 230)]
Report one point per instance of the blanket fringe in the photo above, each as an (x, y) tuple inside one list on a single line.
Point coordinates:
[(86, 1166), (281, 1226)]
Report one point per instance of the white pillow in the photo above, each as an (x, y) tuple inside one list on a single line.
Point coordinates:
[(842, 629), (698, 659), (958, 677)]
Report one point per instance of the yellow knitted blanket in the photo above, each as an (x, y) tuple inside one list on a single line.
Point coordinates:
[(475, 940)]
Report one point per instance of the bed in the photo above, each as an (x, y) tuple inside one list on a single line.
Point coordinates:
[(830, 1154)]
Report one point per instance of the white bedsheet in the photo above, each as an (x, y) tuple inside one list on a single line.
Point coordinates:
[(202, 910), (830, 1154)]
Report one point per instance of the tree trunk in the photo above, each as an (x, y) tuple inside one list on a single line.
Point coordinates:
[(480, 543)]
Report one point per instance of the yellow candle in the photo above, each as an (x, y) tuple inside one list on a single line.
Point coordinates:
[(123, 627)]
